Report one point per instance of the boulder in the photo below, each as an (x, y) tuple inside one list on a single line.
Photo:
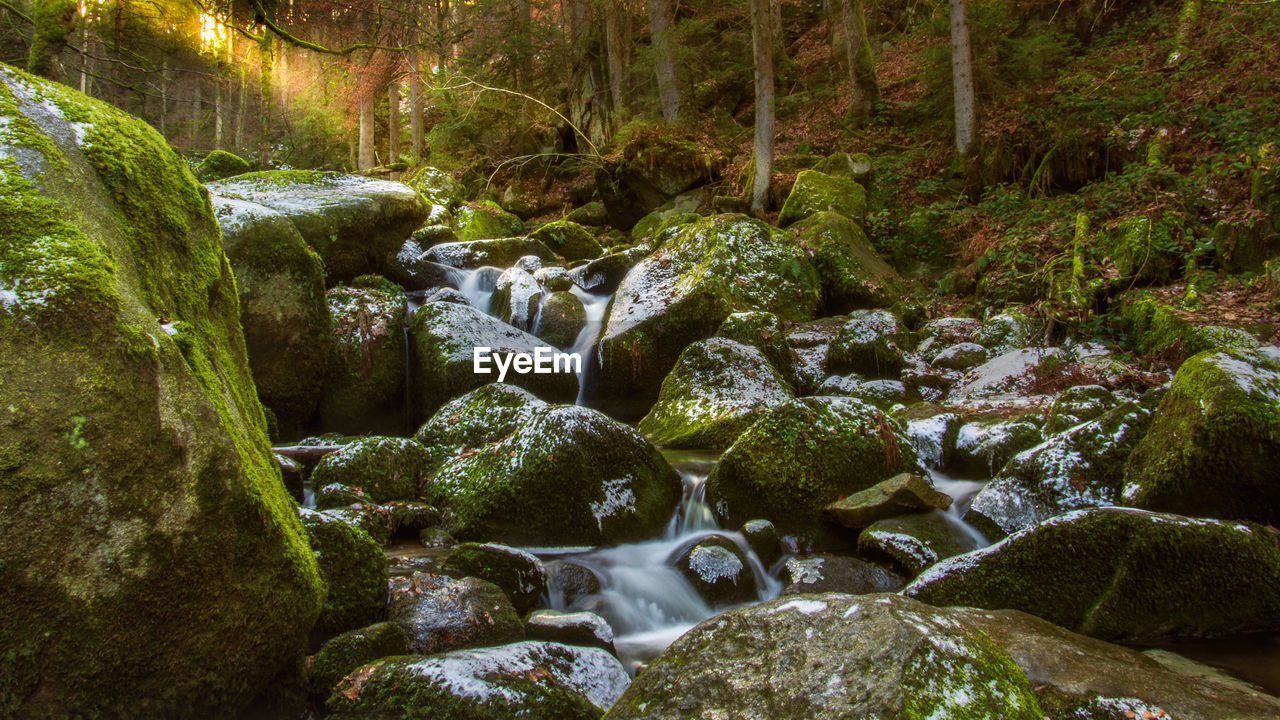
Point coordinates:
[(800, 457), (681, 294), (823, 573), (485, 221), (823, 657), (718, 570), (501, 252), (884, 394), (853, 276), (580, 629), (762, 537), (868, 344), (435, 185), (152, 561), (960, 356), (503, 452), (1131, 575), (591, 214), (914, 542), (533, 680), (440, 613), (554, 278), (519, 574), (1078, 404), (810, 344), (762, 330), (604, 274), (342, 654), (815, 192), (1005, 332), (354, 569), (569, 240), (410, 269), (280, 283), (983, 446), (516, 299), (561, 319), (567, 581), (354, 223), (372, 469), (364, 385), (855, 166), (899, 495), (717, 389), (1213, 442), (219, 165)]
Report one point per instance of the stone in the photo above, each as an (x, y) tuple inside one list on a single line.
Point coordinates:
[(718, 570), (345, 653), (901, 494), (354, 569), (867, 344), (219, 165), (440, 613), (853, 276), (815, 192), (568, 581), (372, 469), (496, 252), (960, 356), (364, 385), (561, 319), (604, 274), (485, 221), (516, 299), (762, 538), (519, 574), (569, 240), (915, 542), (823, 573), (410, 269), (580, 629)]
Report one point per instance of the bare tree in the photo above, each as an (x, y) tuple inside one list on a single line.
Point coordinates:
[(393, 122), (862, 70), (367, 160), (966, 104), (415, 104), (762, 41), (664, 58), (52, 23), (614, 49)]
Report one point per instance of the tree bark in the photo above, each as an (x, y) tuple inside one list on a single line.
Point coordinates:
[(614, 48), (53, 22), (367, 159), (524, 45), (393, 123), (197, 113), (762, 41), (664, 58), (264, 92), (966, 104), (862, 70), (415, 105)]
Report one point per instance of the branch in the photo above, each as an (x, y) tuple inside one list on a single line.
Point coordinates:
[(4, 4), (470, 82)]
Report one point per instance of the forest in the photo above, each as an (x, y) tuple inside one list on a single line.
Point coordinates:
[(640, 359)]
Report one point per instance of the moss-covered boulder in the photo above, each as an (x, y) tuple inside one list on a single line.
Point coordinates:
[(485, 221), (762, 330), (810, 574), (884, 394), (383, 469), (440, 613), (1006, 331), (1156, 328), (353, 567), (868, 344), (816, 192), (810, 344), (519, 574), (435, 185), (342, 654), (591, 214), (580, 629), (853, 275), (569, 240), (901, 494), (984, 445), (444, 337), (1144, 248), (518, 471), (410, 269), (533, 680), (219, 165), (800, 457), (151, 558), (855, 166), (1130, 575), (500, 252), (916, 541), (604, 274), (516, 299), (353, 222), (719, 571), (1078, 404), (716, 390), (832, 656), (364, 384), (561, 319), (680, 294), (1212, 445)]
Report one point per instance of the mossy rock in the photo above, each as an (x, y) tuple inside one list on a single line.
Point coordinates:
[(658, 226), (384, 469), (516, 299), (603, 275), (1130, 575), (811, 574), (503, 454), (1159, 329), (762, 330), (280, 281), (1006, 331), (832, 656), (533, 680), (816, 192), (221, 164), (1144, 249), (578, 629), (679, 295), (902, 494), (353, 567), (569, 240), (800, 457), (152, 560), (485, 221), (717, 389), (435, 185), (351, 650), (868, 344), (439, 613), (1212, 445), (364, 385), (855, 166), (719, 571), (592, 214), (498, 252), (561, 319), (853, 275), (884, 394), (519, 574), (983, 446), (354, 223), (914, 542), (1078, 404)]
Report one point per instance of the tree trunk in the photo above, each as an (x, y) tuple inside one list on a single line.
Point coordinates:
[(1188, 17), (197, 111), (164, 96), (664, 58), (415, 105), (862, 70), (393, 124), (762, 41), (240, 111), (613, 53), (966, 103), (84, 55), (53, 22), (264, 92), (366, 160), (524, 45)]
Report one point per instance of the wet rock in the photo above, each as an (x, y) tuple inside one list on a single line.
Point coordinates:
[(519, 574), (447, 295), (960, 356), (410, 269), (440, 614), (383, 468), (364, 384), (661, 225), (1130, 575), (831, 656), (915, 542), (498, 252), (516, 299), (952, 330), (1078, 404), (1213, 442), (717, 389), (823, 573), (884, 394), (409, 519), (899, 495), (855, 166), (353, 567), (983, 447), (811, 343), (353, 222), (529, 263), (561, 319), (534, 680), (1006, 332), (603, 275), (867, 344), (580, 629), (815, 192), (762, 538), (718, 570), (1159, 329), (502, 452), (353, 649), (932, 433), (568, 581), (569, 240), (763, 331), (554, 278), (219, 165), (801, 456), (591, 214), (435, 185), (371, 519), (485, 221), (853, 275)]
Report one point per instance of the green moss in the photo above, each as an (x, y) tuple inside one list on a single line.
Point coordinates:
[(221, 164), (569, 240), (762, 330), (364, 381), (486, 221), (518, 573), (982, 684), (815, 192), (354, 569), (853, 276), (1158, 329), (1143, 248), (351, 650), (384, 468), (561, 319)]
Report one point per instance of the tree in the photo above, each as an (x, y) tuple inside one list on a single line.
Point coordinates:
[(52, 23), (862, 69), (614, 49), (762, 41), (966, 104), (664, 58)]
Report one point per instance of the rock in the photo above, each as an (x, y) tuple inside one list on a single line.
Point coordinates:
[(884, 394), (661, 225), (823, 573), (446, 295), (516, 299), (440, 614), (1160, 329), (219, 165), (351, 650), (485, 221), (853, 275), (1131, 575), (867, 344), (580, 629), (983, 447), (681, 294), (364, 516), (800, 457), (567, 581), (382, 468), (914, 542), (292, 474), (529, 263), (554, 278), (504, 452), (831, 656), (364, 385), (561, 319), (762, 330), (952, 330), (1144, 248), (1079, 468), (717, 389), (435, 185), (1212, 445), (592, 214), (1006, 332), (498, 252), (151, 558), (353, 222), (534, 680), (443, 339), (603, 274), (410, 269), (855, 166), (1004, 379), (569, 240), (280, 283), (960, 356), (815, 192), (354, 569), (899, 495), (409, 519), (718, 570), (655, 166), (810, 344), (1078, 404), (762, 538), (932, 432), (519, 574)]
